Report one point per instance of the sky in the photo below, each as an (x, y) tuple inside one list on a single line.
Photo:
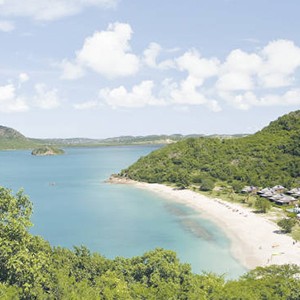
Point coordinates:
[(106, 68)]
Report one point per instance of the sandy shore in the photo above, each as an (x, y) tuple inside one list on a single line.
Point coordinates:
[(255, 240)]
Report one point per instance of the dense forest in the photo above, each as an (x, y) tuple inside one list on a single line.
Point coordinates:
[(267, 158), (31, 269)]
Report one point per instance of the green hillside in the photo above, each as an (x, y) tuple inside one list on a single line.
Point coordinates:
[(267, 158), (12, 139)]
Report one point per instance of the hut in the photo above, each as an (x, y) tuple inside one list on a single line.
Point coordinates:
[(285, 200), (249, 190), (265, 190), (268, 194), (279, 188), (295, 192)]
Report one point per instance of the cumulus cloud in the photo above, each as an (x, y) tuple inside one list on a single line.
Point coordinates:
[(140, 95), (272, 67), (187, 93), (281, 59), (106, 52), (46, 10), (6, 26), (237, 71), (263, 77), (245, 101), (190, 91), (71, 71), (9, 101), (197, 67), (46, 98), (169, 93), (150, 58)]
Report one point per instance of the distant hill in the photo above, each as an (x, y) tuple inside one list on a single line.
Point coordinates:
[(12, 139), (269, 157)]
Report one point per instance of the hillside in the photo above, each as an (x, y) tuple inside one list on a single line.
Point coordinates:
[(267, 158), (12, 139), (115, 141)]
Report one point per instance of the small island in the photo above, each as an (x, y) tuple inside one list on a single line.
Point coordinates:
[(47, 150)]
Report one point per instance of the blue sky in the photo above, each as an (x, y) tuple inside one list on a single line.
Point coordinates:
[(103, 68)]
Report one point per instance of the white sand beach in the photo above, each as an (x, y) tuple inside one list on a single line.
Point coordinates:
[(255, 240)]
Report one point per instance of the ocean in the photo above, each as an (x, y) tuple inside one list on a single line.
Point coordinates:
[(74, 206)]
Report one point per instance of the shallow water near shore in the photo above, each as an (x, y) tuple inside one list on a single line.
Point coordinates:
[(74, 206)]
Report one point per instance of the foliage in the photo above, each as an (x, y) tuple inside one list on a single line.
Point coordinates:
[(31, 269), (262, 205), (267, 158), (207, 185), (287, 224), (47, 150)]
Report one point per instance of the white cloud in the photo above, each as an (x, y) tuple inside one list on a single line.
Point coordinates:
[(243, 79), (71, 71), (141, 95), (187, 91), (23, 77), (187, 94), (232, 81), (248, 99), (6, 26), (169, 94), (237, 71), (151, 53), (281, 59), (106, 52), (272, 67), (150, 57), (46, 98), (9, 101), (46, 10), (260, 79), (198, 67)]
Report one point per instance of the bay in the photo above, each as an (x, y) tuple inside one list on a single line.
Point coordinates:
[(74, 206)]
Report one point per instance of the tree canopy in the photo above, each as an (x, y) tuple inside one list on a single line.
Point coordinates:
[(269, 157)]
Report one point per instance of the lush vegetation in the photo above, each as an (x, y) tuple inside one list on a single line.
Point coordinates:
[(287, 224), (31, 269), (47, 150), (267, 158)]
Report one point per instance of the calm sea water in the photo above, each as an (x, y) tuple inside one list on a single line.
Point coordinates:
[(74, 206)]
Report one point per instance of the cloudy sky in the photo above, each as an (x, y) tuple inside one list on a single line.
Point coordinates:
[(103, 68)]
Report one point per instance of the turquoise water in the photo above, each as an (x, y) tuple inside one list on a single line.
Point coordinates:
[(74, 206)]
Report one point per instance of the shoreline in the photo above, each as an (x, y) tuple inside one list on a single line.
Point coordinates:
[(255, 240)]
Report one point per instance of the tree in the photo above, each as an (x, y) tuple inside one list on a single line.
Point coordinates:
[(287, 224), (262, 205), (207, 185), (24, 259)]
